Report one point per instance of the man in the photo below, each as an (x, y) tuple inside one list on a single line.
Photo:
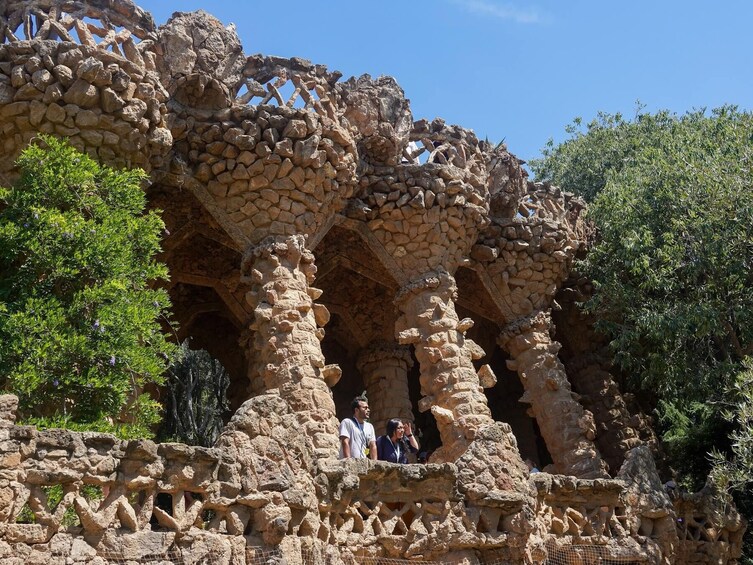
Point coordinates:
[(357, 437)]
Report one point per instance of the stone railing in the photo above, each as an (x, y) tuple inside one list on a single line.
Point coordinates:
[(113, 496), (607, 515), (709, 530), (436, 142), (104, 483), (129, 499), (415, 511), (548, 203), (125, 29), (587, 512), (311, 86)]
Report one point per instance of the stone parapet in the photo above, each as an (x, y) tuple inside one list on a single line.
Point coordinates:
[(249, 496), (54, 19), (314, 86), (702, 539), (8, 409)]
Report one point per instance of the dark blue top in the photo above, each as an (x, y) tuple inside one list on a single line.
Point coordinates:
[(388, 452)]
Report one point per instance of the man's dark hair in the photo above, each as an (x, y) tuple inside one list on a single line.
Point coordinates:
[(356, 401)]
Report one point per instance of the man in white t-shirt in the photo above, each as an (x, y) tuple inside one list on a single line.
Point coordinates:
[(357, 437)]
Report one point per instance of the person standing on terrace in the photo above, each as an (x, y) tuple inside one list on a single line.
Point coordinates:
[(357, 436), (397, 442)]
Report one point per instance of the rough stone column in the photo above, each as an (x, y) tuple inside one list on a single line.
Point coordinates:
[(567, 428), (449, 381), (384, 368), (287, 326)]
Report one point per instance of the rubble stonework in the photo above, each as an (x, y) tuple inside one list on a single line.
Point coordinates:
[(589, 368), (568, 429), (424, 242)]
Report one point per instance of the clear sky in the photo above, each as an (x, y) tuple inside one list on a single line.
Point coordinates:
[(518, 71)]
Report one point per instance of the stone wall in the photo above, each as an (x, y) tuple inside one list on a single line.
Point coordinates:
[(136, 500)]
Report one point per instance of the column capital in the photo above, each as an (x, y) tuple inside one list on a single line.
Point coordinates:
[(381, 351), (540, 320), (291, 247), (275, 264), (438, 281)]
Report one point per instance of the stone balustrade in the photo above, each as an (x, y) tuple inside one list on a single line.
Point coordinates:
[(708, 529), (119, 23), (453, 145), (85, 495), (311, 86)]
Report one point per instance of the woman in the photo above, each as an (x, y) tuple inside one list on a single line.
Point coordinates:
[(397, 442)]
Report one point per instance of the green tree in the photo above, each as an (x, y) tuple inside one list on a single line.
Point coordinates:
[(583, 163), (197, 402), (80, 333), (672, 199)]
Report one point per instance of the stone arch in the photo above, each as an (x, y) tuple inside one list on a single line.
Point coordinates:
[(205, 288), (359, 284)]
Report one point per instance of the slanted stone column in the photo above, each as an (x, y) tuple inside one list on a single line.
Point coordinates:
[(287, 326), (384, 368), (567, 428), (449, 381)]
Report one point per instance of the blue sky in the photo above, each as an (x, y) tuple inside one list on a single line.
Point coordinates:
[(518, 71)]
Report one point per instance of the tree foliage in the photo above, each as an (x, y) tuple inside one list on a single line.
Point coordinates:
[(584, 162), (79, 320), (672, 199), (197, 402)]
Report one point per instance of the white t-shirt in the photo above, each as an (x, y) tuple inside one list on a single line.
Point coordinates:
[(360, 436)]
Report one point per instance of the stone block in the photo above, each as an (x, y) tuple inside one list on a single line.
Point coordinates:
[(82, 93)]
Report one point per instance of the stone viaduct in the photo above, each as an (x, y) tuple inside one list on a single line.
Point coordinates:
[(436, 265)]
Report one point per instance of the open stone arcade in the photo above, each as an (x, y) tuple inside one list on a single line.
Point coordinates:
[(436, 264)]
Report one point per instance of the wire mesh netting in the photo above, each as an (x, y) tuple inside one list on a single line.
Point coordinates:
[(175, 556), (588, 555), (569, 555)]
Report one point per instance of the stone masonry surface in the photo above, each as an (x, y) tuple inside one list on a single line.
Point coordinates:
[(437, 263)]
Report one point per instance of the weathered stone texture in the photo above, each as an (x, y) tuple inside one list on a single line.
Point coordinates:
[(568, 429), (620, 427), (449, 381), (287, 329), (271, 171)]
